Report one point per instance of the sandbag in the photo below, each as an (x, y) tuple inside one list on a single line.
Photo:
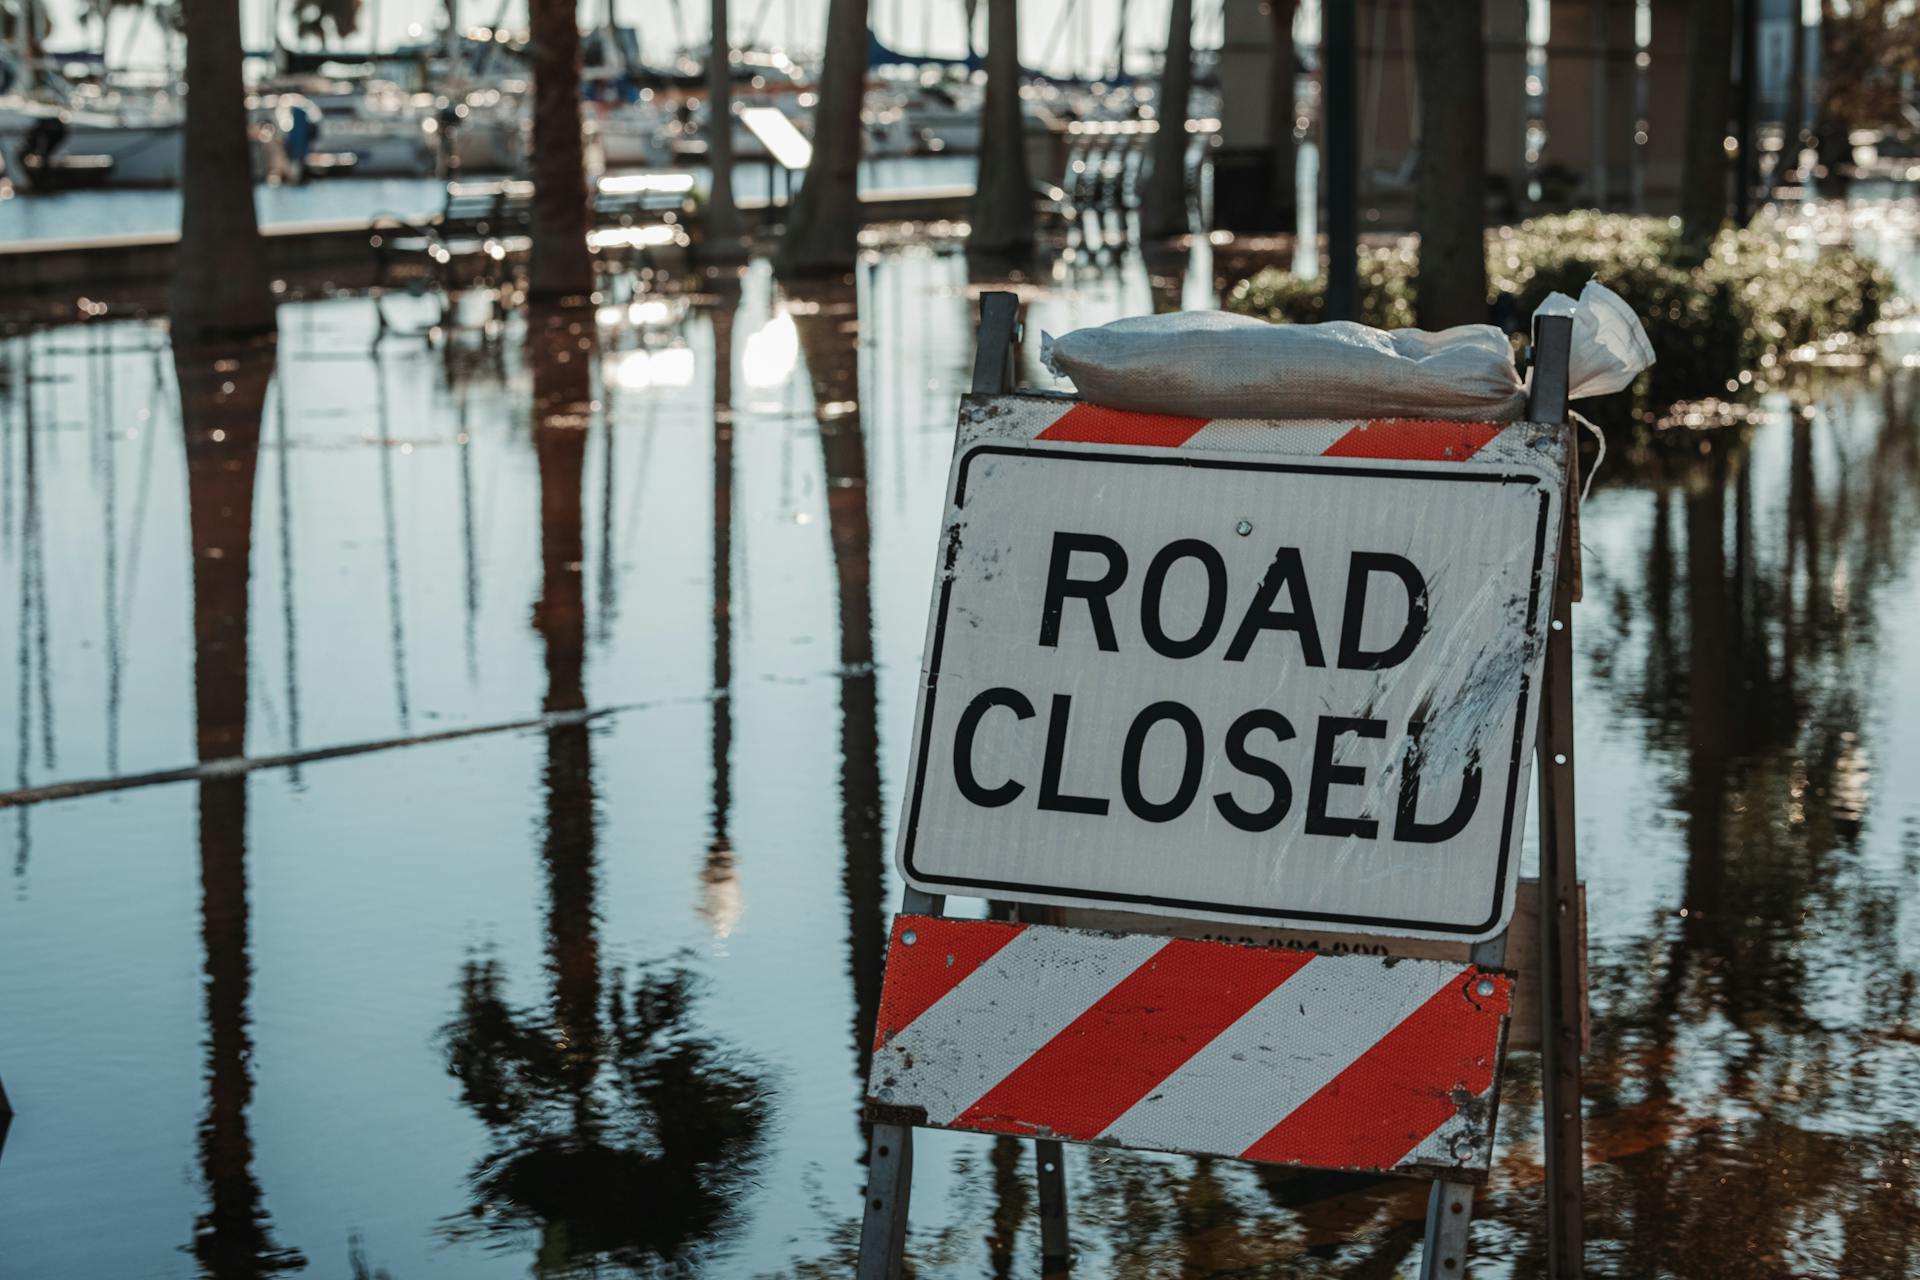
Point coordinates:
[(1214, 364)]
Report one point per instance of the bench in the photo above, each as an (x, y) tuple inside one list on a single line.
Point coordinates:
[(481, 226)]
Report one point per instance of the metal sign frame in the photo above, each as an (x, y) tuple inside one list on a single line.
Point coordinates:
[(1561, 998)]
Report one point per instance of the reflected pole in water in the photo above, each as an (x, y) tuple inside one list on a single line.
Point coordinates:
[(720, 897), (396, 623), (289, 630), (470, 582), (29, 523), (1012, 1202), (110, 546), (221, 397), (828, 330), (606, 580)]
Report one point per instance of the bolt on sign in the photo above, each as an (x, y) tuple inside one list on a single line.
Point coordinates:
[(1265, 672)]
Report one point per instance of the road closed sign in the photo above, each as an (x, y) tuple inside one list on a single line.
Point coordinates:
[(1279, 673)]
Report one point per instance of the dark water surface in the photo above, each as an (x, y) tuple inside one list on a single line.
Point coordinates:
[(586, 995)]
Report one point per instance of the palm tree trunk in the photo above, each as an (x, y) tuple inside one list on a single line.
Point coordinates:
[(1703, 188), (1001, 211), (823, 231), (1163, 198), (1451, 196), (722, 241), (561, 269), (221, 287), (1832, 130), (1280, 109)]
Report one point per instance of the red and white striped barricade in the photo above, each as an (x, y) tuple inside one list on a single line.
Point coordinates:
[(1204, 1048)]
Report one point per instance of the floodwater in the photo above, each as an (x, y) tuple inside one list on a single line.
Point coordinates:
[(572, 971)]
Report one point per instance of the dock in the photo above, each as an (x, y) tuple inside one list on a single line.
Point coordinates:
[(329, 253)]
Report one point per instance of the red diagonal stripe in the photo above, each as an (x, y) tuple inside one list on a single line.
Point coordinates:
[(943, 953), (1418, 439), (1096, 424), (1398, 1092), (1132, 1038)]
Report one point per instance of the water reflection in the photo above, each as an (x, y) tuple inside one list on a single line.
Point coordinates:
[(1743, 1082), (720, 892), (222, 395), (621, 1135), (827, 318), (1751, 845)]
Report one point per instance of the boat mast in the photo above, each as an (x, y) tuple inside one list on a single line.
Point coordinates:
[(23, 37)]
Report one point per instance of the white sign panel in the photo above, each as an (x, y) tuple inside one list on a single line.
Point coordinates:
[(1253, 675)]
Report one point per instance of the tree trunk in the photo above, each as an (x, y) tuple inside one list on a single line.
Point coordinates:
[(1280, 110), (1832, 129), (722, 240), (1450, 212), (221, 287), (561, 269), (823, 231), (1163, 198), (1703, 188), (1793, 126), (1001, 211)]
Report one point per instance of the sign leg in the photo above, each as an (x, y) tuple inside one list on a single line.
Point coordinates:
[(1450, 1204), (1056, 1258), (883, 1217), (883, 1224), (1561, 999), (1449, 1217)]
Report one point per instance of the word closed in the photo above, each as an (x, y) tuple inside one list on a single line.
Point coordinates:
[(1254, 687)]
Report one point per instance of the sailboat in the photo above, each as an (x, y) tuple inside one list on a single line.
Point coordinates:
[(55, 134)]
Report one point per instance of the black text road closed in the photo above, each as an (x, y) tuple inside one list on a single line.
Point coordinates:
[(1250, 686)]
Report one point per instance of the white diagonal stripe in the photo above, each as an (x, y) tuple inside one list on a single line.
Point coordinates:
[(1438, 1148), (1283, 1051), (1000, 1015), (1254, 435)]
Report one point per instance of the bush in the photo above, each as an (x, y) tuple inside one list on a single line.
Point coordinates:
[(1747, 308)]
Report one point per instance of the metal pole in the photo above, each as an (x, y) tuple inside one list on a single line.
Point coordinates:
[(883, 1222), (1450, 1204), (1561, 1000), (1340, 134)]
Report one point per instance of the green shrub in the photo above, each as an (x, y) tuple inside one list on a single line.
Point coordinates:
[(1745, 309)]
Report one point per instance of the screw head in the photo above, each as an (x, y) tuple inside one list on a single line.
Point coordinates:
[(909, 938), (1244, 528), (1485, 987)]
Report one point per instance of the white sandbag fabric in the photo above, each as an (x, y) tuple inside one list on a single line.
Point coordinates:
[(1213, 364), (1610, 348)]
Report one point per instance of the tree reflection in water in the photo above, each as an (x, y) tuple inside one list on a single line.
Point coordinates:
[(827, 318), (621, 1136), (222, 393)]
